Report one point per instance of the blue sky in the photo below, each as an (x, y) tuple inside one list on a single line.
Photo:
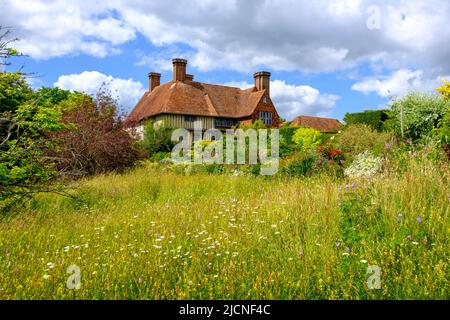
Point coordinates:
[(326, 57)]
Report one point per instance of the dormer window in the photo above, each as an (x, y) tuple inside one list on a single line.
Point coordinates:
[(266, 117)]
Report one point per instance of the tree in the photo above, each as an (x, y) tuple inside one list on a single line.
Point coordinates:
[(421, 114), (6, 51), (24, 166), (95, 139)]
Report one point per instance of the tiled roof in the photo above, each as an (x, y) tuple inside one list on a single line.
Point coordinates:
[(321, 124), (196, 98)]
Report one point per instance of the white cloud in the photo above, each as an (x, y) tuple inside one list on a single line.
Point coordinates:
[(398, 84), (311, 36), (59, 27), (292, 100), (127, 91)]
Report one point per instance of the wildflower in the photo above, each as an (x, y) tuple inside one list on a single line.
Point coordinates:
[(140, 280), (45, 276), (345, 253), (419, 219), (50, 265), (409, 237), (387, 146), (415, 243), (353, 186), (9, 264), (66, 249), (363, 261), (399, 217), (301, 250), (338, 244)]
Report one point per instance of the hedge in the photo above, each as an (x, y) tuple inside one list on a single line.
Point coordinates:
[(373, 118)]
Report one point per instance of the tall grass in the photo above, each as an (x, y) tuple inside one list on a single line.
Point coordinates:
[(149, 234)]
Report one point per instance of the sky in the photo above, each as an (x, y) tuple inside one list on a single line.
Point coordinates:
[(326, 58)]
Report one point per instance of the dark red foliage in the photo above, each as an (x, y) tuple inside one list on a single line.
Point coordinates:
[(98, 141)]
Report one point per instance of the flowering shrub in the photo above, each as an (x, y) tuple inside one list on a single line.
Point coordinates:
[(306, 138), (365, 165), (331, 153)]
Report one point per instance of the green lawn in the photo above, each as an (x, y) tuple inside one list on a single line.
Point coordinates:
[(149, 234)]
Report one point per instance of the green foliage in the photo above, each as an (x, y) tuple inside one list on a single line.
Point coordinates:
[(442, 133), (306, 138), (373, 118), (287, 146), (358, 138), (24, 166), (300, 165), (421, 114), (157, 139), (53, 96), (14, 91)]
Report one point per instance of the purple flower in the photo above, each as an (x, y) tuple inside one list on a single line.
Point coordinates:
[(353, 186), (338, 244), (387, 146), (348, 248), (419, 219)]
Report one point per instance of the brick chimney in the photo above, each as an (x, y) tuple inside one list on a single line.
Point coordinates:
[(153, 80), (262, 81), (179, 69), (189, 77)]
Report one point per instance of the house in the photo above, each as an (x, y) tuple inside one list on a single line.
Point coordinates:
[(182, 101), (326, 125)]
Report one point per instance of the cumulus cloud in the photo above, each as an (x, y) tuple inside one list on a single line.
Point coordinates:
[(311, 36), (293, 100), (398, 84), (127, 91), (59, 27)]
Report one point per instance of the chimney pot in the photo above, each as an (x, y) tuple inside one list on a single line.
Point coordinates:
[(262, 81), (154, 79), (179, 69)]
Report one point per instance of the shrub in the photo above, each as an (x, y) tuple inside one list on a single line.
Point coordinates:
[(358, 138), (421, 114), (306, 138), (287, 146), (445, 89), (330, 152), (365, 165), (373, 118), (443, 133), (299, 165), (97, 142), (157, 139)]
